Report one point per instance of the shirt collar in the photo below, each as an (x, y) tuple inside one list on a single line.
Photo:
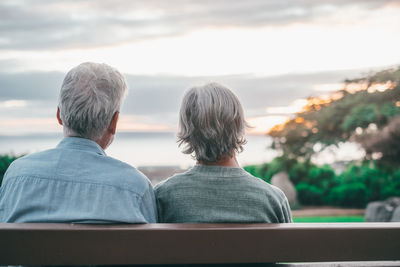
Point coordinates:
[(81, 144)]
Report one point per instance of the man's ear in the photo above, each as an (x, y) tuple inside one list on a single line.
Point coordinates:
[(112, 128), (59, 117)]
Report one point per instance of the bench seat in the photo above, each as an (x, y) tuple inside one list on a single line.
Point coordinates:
[(84, 244)]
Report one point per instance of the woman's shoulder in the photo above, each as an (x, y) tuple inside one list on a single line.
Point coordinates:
[(172, 181), (265, 187)]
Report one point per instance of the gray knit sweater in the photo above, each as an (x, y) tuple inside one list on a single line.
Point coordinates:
[(217, 194)]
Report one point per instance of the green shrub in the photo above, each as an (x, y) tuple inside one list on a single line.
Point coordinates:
[(349, 195), (265, 171), (261, 171), (251, 169), (358, 184), (322, 177), (299, 172), (275, 166), (375, 179), (392, 189), (258, 170), (5, 161), (308, 194)]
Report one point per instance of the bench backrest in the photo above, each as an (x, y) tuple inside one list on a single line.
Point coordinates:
[(73, 244)]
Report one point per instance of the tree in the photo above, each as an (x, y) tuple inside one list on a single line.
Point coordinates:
[(384, 144), (360, 111)]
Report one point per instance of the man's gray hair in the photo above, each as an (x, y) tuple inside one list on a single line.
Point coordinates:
[(90, 95), (211, 123)]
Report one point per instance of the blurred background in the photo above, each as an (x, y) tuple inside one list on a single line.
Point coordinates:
[(318, 80)]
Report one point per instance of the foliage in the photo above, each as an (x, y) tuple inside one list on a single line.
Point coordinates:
[(265, 171), (360, 116), (312, 182), (5, 161), (251, 169), (358, 184), (363, 183), (309, 194), (392, 188), (299, 172), (367, 111), (364, 107), (375, 178), (257, 170), (349, 195), (323, 177), (384, 144)]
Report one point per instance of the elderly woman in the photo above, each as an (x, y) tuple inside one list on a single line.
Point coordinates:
[(216, 189)]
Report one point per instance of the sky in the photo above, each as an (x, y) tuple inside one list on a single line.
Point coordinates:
[(272, 54)]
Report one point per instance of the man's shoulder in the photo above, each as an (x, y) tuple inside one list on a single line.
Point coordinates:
[(40, 155), (109, 171), (79, 167), (125, 171), (27, 164)]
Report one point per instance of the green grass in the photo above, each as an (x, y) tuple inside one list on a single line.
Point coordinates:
[(325, 219)]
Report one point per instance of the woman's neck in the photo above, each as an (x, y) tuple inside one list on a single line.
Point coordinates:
[(224, 162)]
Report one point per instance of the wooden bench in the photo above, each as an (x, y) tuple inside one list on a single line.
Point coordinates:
[(79, 244)]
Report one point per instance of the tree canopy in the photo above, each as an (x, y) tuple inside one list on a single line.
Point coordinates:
[(366, 110)]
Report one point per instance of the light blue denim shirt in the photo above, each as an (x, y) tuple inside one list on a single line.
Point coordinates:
[(75, 182)]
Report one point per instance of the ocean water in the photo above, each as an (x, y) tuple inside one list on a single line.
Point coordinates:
[(141, 149)]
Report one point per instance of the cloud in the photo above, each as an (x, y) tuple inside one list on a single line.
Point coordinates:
[(160, 96), (9, 104), (155, 100), (28, 126), (28, 101), (47, 24), (30, 86), (260, 125)]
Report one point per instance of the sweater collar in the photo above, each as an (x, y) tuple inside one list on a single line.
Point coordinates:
[(218, 171)]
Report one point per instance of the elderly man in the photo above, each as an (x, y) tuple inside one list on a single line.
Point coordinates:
[(76, 181)]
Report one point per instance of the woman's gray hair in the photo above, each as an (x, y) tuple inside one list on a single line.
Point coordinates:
[(211, 123), (90, 95)]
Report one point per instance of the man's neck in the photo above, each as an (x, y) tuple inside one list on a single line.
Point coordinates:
[(105, 141)]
